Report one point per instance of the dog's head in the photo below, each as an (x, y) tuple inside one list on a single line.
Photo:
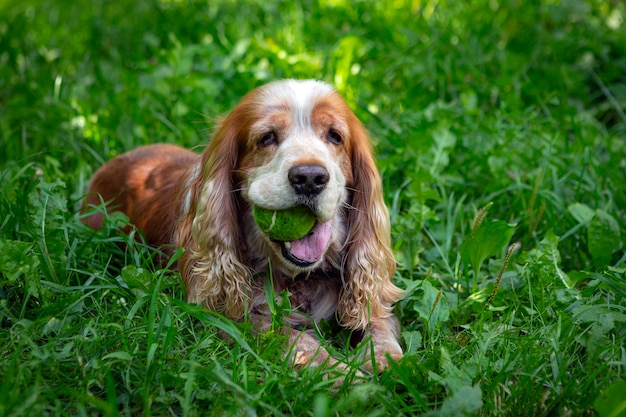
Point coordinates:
[(286, 144)]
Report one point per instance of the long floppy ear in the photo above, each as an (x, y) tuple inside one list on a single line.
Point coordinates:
[(212, 266), (369, 265)]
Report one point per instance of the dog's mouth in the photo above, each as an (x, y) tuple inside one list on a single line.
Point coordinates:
[(309, 249)]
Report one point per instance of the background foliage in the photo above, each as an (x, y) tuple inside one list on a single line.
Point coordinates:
[(500, 133)]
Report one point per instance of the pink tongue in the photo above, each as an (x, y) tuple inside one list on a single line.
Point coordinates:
[(312, 247)]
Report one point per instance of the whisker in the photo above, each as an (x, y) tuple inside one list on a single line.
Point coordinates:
[(349, 206)]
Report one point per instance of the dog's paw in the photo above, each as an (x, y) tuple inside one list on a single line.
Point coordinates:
[(381, 361)]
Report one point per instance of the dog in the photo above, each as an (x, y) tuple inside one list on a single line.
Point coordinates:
[(287, 143)]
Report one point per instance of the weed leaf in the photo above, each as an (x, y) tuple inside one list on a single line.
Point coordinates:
[(603, 237), (612, 402), (468, 400), (547, 258), (412, 341), (581, 212), (445, 140), (136, 278), (433, 307), (489, 240)]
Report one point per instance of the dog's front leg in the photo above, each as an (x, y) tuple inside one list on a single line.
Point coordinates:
[(381, 342), (305, 349)]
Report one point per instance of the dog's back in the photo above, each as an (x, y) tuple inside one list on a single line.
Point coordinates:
[(135, 184)]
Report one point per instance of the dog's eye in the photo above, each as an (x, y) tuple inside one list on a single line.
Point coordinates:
[(268, 139), (334, 137)]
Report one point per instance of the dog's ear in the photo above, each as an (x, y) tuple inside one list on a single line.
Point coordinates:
[(212, 266), (369, 263)]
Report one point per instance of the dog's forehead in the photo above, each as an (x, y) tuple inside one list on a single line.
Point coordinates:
[(299, 92), (297, 96)]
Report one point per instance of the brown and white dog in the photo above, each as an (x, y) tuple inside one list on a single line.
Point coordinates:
[(287, 143)]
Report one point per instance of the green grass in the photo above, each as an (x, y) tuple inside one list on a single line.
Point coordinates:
[(501, 137)]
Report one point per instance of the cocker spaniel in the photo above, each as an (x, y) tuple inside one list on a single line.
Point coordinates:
[(287, 143)]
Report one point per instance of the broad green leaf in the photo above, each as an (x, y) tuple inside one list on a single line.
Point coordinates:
[(468, 400), (134, 277), (445, 141), (489, 240), (581, 212), (603, 237), (433, 307), (550, 249), (122, 356), (412, 341), (612, 401)]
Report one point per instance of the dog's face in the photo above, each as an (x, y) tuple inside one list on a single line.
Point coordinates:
[(296, 152)]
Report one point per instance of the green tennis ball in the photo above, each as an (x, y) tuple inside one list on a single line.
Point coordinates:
[(284, 225)]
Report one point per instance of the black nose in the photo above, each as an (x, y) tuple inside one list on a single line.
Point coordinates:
[(308, 179)]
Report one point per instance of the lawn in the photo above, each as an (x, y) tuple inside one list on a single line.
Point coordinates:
[(500, 134)]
